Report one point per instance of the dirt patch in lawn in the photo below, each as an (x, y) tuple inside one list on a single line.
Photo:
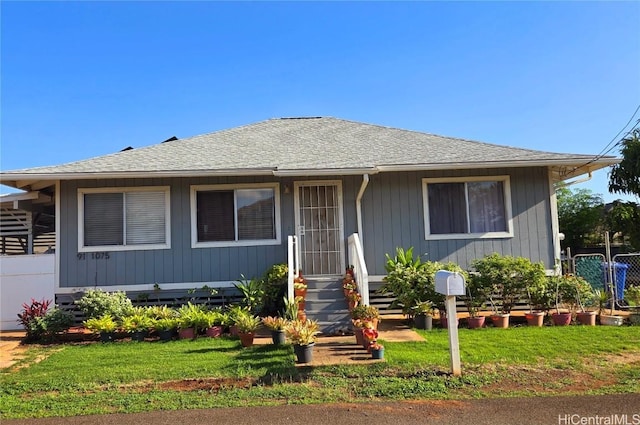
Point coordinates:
[(595, 373), (208, 384)]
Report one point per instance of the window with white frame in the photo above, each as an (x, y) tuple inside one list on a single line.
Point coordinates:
[(228, 215), (472, 207), (123, 218)]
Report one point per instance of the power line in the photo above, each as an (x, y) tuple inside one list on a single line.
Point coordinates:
[(607, 148)]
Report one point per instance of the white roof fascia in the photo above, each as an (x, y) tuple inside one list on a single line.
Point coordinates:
[(325, 172), (601, 163), (133, 174)]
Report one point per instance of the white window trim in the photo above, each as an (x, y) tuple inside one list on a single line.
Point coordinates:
[(209, 244), (505, 179), (142, 247)]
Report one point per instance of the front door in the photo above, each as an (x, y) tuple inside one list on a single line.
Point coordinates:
[(319, 227)]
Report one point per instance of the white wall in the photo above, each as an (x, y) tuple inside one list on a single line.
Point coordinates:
[(23, 277)]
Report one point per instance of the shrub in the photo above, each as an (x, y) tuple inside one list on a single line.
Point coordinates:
[(40, 322), (104, 323), (507, 277), (412, 281), (252, 291), (96, 303)]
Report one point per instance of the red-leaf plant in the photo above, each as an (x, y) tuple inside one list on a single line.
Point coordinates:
[(31, 312)]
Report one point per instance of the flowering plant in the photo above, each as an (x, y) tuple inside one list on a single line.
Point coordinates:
[(370, 334), (376, 346)]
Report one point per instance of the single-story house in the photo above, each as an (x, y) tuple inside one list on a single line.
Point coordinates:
[(207, 209)]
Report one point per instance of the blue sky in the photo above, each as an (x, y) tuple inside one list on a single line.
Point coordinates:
[(83, 79)]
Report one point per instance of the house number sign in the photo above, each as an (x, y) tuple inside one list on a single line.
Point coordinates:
[(94, 256)]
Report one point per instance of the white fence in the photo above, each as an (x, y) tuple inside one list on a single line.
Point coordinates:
[(23, 277)]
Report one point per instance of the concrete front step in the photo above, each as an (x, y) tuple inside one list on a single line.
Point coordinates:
[(324, 282)]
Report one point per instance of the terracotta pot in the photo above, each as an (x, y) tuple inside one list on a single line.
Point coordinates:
[(246, 338), (187, 333), (587, 318), (214, 331), (300, 293), (535, 319), (302, 316), (561, 319), (476, 322), (301, 305), (359, 336), (500, 320), (352, 305)]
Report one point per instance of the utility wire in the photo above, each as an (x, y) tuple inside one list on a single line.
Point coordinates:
[(608, 148)]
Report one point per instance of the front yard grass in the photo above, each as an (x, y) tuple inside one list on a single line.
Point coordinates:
[(132, 377)]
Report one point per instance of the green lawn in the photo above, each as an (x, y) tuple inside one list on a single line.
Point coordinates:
[(132, 377)]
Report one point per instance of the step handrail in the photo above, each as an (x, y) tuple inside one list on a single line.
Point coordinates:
[(356, 259), (293, 264)]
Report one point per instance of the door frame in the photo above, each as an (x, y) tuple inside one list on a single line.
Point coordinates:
[(296, 201)]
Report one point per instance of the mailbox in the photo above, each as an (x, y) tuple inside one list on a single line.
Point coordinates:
[(449, 283)]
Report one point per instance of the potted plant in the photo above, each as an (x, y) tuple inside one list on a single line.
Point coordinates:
[(632, 294), (137, 325), (474, 299), (247, 326), (563, 295), (507, 277), (540, 299), (215, 321), (370, 337), (367, 314), (191, 319), (104, 325), (377, 351), (353, 298), (423, 315), (349, 281), (605, 298), (166, 328), (584, 297), (276, 325), (303, 336), (300, 286)]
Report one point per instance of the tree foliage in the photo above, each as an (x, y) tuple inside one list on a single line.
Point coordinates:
[(625, 176), (623, 219), (580, 215)]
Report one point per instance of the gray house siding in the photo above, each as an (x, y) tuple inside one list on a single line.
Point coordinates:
[(393, 216), (181, 263)]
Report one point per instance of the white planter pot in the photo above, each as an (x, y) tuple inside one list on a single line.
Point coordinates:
[(611, 320)]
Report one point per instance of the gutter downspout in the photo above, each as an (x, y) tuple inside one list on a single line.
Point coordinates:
[(363, 187)]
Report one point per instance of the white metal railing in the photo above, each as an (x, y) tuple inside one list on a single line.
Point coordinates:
[(356, 259), (293, 263)]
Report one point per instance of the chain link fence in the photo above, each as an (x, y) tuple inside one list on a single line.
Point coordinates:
[(624, 269)]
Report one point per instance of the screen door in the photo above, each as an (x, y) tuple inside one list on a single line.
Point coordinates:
[(319, 227)]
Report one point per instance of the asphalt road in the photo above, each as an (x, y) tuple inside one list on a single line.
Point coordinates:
[(620, 409)]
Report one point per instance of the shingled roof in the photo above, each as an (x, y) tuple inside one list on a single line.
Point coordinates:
[(308, 146)]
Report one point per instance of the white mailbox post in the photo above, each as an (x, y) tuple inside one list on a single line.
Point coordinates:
[(451, 284)]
